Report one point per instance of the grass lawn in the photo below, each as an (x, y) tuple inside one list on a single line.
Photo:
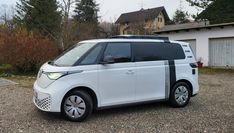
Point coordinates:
[(6, 70), (207, 70)]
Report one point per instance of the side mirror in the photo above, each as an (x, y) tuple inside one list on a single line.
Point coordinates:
[(108, 60)]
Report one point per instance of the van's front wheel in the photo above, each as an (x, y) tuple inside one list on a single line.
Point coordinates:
[(77, 106), (180, 95)]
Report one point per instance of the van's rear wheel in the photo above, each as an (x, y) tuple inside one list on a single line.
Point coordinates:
[(77, 106), (180, 95)]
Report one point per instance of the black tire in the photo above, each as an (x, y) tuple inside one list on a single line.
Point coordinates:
[(173, 101), (88, 105)]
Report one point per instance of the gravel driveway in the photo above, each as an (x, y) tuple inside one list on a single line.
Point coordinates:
[(211, 111)]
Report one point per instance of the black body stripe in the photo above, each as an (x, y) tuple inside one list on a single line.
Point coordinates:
[(172, 72)]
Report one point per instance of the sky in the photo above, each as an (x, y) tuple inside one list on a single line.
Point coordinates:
[(110, 10)]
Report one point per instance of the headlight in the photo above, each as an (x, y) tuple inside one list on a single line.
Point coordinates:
[(55, 75)]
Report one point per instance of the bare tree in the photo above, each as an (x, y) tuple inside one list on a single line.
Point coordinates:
[(6, 15), (109, 29), (139, 28), (66, 8)]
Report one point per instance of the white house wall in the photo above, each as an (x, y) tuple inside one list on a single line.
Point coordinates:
[(202, 37)]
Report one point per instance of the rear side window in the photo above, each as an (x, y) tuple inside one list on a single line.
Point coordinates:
[(157, 51), (120, 51)]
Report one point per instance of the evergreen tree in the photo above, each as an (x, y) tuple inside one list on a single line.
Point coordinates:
[(41, 16), (180, 17), (87, 18), (200, 3), (86, 12), (220, 11)]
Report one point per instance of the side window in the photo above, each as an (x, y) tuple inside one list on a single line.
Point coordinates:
[(121, 52), (91, 58), (157, 51), (174, 51), (145, 52)]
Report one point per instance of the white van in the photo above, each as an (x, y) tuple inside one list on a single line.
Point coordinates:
[(122, 70)]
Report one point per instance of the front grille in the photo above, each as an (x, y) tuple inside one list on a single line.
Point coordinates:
[(43, 103)]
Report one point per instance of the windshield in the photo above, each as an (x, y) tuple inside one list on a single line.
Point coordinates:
[(70, 57)]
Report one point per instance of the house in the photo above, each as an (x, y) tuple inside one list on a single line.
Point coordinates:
[(212, 44), (145, 21)]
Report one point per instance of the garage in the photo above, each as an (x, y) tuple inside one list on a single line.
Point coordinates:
[(212, 44), (221, 52), (192, 43)]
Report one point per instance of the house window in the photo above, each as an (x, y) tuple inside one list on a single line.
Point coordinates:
[(159, 19)]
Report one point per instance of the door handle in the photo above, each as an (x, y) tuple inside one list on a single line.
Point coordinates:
[(130, 72)]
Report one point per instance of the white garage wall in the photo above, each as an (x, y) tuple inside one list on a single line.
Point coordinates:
[(192, 44), (202, 39)]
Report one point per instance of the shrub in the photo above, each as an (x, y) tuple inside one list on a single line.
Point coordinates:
[(26, 51), (6, 69)]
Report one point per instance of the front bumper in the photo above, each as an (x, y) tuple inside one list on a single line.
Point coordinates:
[(42, 100), (48, 99)]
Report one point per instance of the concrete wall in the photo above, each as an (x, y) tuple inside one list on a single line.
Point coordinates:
[(202, 39)]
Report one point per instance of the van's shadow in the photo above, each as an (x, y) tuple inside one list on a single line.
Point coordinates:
[(99, 114)]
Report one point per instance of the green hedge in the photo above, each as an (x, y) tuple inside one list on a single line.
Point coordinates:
[(6, 69)]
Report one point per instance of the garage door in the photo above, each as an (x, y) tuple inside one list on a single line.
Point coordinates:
[(192, 44), (221, 52)]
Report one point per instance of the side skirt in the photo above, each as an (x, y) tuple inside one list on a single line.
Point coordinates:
[(131, 104)]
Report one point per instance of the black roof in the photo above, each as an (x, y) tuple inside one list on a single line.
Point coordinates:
[(143, 15), (139, 37)]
